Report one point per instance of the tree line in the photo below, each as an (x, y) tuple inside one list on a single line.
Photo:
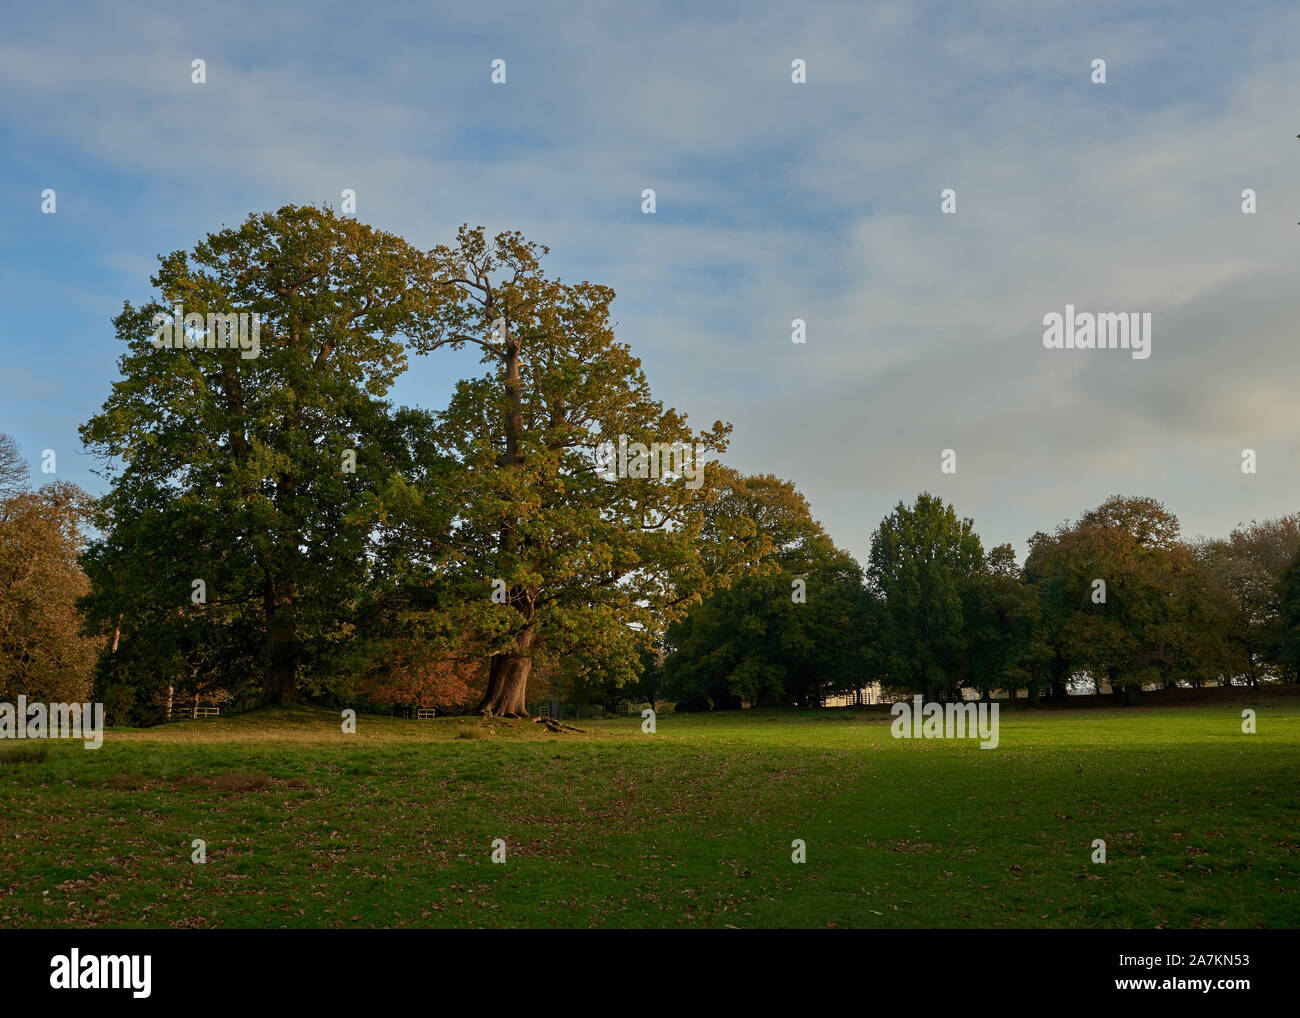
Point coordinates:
[(1114, 602), (275, 529)]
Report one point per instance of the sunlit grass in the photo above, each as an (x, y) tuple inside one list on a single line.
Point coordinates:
[(691, 826)]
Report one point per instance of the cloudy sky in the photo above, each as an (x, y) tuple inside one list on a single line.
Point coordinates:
[(775, 201)]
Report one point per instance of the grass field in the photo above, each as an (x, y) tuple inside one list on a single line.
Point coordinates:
[(691, 826)]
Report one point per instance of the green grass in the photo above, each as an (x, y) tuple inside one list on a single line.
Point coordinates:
[(690, 827), (23, 752)]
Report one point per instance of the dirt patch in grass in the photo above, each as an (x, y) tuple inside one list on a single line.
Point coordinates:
[(126, 782), (238, 783)]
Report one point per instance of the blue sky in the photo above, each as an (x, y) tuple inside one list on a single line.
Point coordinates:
[(775, 201)]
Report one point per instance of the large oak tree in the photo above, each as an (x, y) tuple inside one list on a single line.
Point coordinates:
[(588, 566), (237, 470)]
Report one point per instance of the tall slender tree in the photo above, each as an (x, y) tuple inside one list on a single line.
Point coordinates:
[(923, 559)]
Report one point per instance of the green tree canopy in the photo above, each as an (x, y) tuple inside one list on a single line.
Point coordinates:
[(262, 476), (923, 558), (1123, 598), (789, 632), (588, 564)]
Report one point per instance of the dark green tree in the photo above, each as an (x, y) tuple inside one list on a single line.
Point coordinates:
[(1284, 639), (256, 467), (791, 635), (1004, 628), (923, 560)]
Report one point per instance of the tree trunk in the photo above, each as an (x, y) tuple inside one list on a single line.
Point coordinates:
[(507, 682), (508, 679), (509, 670), (1059, 672), (279, 684), (1033, 694), (280, 600)]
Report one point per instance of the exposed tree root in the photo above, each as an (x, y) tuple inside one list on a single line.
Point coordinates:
[(557, 726)]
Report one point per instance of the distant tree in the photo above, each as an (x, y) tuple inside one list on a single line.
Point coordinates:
[(14, 472), (1284, 639), (1048, 571), (1273, 544), (1250, 591), (790, 636), (1248, 567), (649, 687), (788, 629), (591, 686), (1003, 624), (594, 686), (923, 559), (44, 654), (412, 678), (1122, 598)]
